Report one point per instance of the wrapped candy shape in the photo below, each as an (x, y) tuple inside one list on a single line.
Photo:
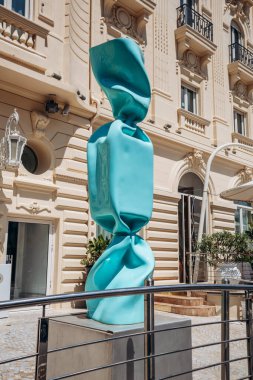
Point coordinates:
[(119, 69), (120, 167), (125, 263), (120, 179)]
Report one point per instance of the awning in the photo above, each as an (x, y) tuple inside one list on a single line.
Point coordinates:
[(239, 193)]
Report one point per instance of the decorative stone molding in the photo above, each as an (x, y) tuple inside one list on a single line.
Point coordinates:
[(39, 123), (195, 160), (191, 61), (240, 90), (246, 174), (128, 18), (239, 9), (34, 208)]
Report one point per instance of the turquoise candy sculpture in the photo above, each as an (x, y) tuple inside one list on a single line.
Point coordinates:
[(120, 180)]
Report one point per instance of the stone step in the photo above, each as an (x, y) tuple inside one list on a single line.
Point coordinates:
[(197, 311), (179, 300), (199, 293)]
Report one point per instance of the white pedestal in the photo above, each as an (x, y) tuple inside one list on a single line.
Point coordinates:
[(5, 286)]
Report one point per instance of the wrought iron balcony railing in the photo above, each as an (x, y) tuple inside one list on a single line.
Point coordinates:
[(186, 15), (238, 52)]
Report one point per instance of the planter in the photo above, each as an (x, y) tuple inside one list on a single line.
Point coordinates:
[(227, 271), (246, 270)]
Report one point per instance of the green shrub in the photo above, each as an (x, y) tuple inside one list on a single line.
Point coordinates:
[(95, 248), (224, 247)]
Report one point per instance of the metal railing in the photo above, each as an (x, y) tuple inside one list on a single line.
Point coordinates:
[(237, 52), (150, 345), (186, 15)]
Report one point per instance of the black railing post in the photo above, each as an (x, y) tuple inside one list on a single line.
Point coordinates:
[(225, 366), (149, 338), (42, 343), (249, 332)]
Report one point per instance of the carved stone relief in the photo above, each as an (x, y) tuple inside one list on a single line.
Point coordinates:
[(195, 64), (195, 160), (240, 90), (246, 174), (239, 9), (243, 92), (39, 123), (125, 20), (191, 61)]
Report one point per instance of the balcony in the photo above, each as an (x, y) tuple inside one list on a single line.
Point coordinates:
[(186, 15), (28, 40), (193, 32), (244, 140), (192, 123), (241, 64)]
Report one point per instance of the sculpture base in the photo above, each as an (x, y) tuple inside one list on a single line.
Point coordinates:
[(74, 329)]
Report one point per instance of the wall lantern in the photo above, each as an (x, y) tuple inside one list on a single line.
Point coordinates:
[(12, 144)]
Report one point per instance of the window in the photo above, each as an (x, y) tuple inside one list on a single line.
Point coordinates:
[(239, 123), (191, 3), (29, 159), (243, 217), (189, 99), (19, 6), (236, 35)]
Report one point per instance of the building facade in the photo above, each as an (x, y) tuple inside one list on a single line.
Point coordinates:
[(199, 57)]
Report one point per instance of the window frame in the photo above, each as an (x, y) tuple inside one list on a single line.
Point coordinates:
[(185, 90), (244, 124), (240, 207), (28, 7), (236, 33)]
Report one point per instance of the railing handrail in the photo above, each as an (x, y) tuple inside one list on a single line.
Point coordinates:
[(242, 47), (60, 298)]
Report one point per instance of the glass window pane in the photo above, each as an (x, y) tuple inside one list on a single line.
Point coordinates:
[(183, 97), (29, 159), (190, 101), (1, 2), (239, 123), (237, 221), (18, 6)]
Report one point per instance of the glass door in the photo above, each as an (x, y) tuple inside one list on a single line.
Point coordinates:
[(189, 208), (189, 216), (27, 250)]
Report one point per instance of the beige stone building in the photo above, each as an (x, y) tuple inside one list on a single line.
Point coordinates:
[(199, 57)]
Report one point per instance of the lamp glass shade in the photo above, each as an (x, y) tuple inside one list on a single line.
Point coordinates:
[(14, 148)]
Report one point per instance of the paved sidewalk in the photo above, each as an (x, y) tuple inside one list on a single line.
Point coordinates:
[(18, 335)]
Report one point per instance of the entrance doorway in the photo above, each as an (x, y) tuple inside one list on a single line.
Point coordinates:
[(28, 251), (189, 207)]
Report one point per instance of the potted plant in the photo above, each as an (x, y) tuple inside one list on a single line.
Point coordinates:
[(95, 248), (223, 250)]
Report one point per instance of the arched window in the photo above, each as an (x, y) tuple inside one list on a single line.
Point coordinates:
[(191, 189)]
